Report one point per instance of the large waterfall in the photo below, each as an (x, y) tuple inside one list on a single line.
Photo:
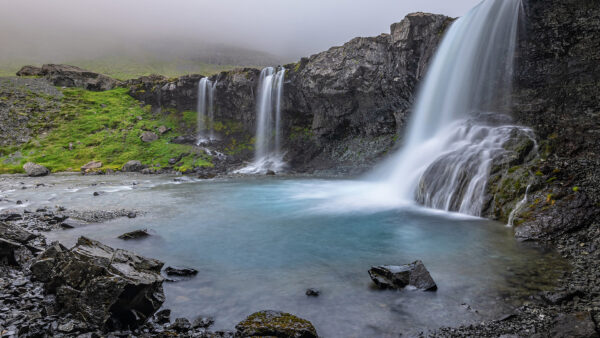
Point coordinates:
[(205, 109), (268, 155), (451, 139)]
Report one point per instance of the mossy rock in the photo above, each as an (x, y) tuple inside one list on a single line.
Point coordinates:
[(275, 324)]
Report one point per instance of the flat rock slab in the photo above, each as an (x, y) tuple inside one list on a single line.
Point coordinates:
[(137, 234), (275, 324), (180, 271), (400, 276)]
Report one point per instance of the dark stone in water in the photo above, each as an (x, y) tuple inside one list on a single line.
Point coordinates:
[(137, 234), (181, 325), (397, 277), (163, 316), (179, 271), (275, 324), (270, 173), (131, 214), (313, 292), (96, 193), (203, 322)]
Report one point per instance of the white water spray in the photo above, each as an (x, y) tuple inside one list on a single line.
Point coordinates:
[(205, 109), (518, 207), (268, 155)]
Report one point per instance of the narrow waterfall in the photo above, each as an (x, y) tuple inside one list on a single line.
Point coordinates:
[(205, 109), (267, 153), (455, 130)]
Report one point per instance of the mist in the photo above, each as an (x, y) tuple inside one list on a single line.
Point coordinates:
[(278, 30)]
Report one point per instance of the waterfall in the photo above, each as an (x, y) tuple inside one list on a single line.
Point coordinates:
[(205, 109), (267, 154), (518, 207), (456, 130)]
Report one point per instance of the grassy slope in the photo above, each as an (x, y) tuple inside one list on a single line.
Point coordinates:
[(105, 126)]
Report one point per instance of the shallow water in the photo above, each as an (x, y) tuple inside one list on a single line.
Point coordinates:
[(259, 243)]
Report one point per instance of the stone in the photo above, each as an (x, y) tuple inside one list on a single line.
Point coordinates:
[(574, 325), (30, 71), (163, 316), (108, 288), (270, 173), (397, 277), (71, 76), (91, 165), (163, 130), (275, 324), (137, 234), (202, 322), (313, 292), (180, 271), (133, 166), (181, 325), (8, 251), (148, 136), (35, 170), (184, 140)]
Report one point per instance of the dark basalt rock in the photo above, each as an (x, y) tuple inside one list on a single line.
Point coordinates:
[(71, 76), (30, 71), (137, 234), (313, 292), (163, 316), (275, 324), (203, 322), (180, 271), (105, 287), (181, 325), (398, 277), (574, 325), (133, 166)]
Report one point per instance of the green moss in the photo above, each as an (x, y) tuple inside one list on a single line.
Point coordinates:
[(539, 173), (104, 126), (575, 189)]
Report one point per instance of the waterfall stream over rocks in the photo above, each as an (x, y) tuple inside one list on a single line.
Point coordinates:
[(206, 95), (268, 155)]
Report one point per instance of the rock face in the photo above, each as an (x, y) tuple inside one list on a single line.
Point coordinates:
[(341, 108), (71, 76), (275, 324), (556, 87), (398, 277), (34, 170), (133, 166), (108, 288)]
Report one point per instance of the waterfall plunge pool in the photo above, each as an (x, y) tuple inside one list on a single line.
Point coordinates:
[(260, 242)]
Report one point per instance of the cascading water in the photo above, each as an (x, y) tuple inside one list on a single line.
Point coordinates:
[(268, 155), (450, 141), (205, 109)]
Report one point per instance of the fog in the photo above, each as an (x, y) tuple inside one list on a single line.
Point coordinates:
[(285, 29)]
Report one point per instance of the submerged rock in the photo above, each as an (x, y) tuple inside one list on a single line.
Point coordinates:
[(275, 324), (180, 271), (35, 170), (105, 287), (397, 277), (137, 234)]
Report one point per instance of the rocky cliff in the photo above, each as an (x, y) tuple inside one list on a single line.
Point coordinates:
[(342, 108)]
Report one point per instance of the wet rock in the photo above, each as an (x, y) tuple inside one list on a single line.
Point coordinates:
[(180, 271), (132, 214), (91, 165), (133, 166), (574, 325), (398, 277), (137, 234), (184, 140), (270, 173), (313, 292), (203, 322), (8, 251), (558, 297), (181, 325), (275, 324), (97, 193), (35, 170), (163, 316), (148, 136), (109, 288)]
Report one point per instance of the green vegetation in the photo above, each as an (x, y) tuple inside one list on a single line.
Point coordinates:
[(104, 126)]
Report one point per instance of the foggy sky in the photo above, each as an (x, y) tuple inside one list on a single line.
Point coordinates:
[(285, 28)]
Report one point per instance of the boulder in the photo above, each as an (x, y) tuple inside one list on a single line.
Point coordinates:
[(313, 292), (574, 325), (202, 322), (397, 277), (163, 130), (105, 287), (30, 71), (71, 76), (35, 170), (133, 166), (184, 140), (91, 166), (181, 325), (275, 324), (148, 136), (137, 234)]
